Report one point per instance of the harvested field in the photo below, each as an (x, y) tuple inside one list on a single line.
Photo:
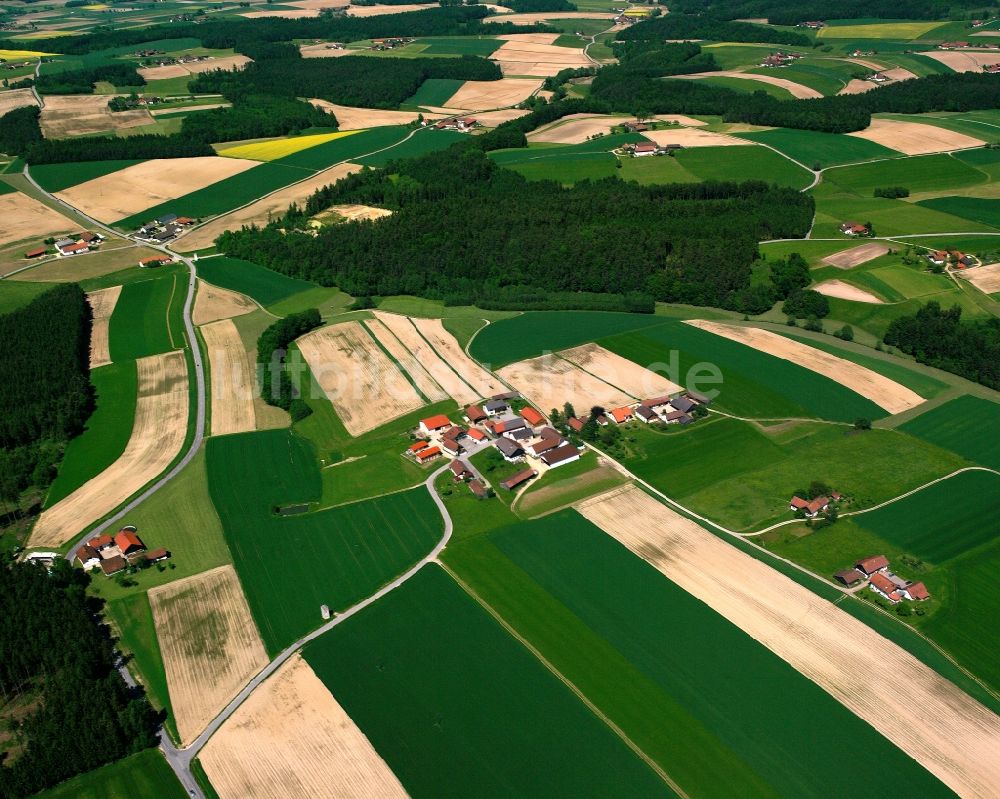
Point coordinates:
[(493, 118), (16, 98), (885, 393), (856, 255), (549, 382), (189, 108), (941, 727), (856, 86), (164, 72), (210, 645), (365, 387), (350, 118), (915, 138), (82, 267), (323, 51), (985, 278), (845, 291), (423, 353), (292, 740), (575, 128), (795, 89), (284, 14), (229, 62), (157, 436), (83, 114), (486, 94), (233, 386), (692, 137), (471, 372), (415, 367), (529, 38), (520, 56), (141, 186), (23, 218), (964, 60), (319, 4), (213, 303), (680, 119), (377, 11), (620, 372), (260, 212), (102, 305)]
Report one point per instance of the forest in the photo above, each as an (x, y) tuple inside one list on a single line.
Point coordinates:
[(272, 346), (939, 337), (53, 652), (254, 117), (781, 12), (46, 395), (112, 148), (349, 80), (463, 226), (81, 81), (19, 130), (691, 26)]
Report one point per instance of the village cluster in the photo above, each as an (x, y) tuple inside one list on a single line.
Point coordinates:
[(164, 228), (114, 554), (76, 245), (882, 581)]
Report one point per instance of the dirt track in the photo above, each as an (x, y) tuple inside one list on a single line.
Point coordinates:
[(941, 727), (102, 305), (233, 385)]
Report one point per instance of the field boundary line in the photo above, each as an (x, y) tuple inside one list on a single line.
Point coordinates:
[(618, 731)]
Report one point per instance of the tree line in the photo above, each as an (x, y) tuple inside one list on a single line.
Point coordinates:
[(81, 81), (272, 346), (253, 117), (691, 26), (781, 12), (53, 652), (463, 227), (941, 338), (46, 395)]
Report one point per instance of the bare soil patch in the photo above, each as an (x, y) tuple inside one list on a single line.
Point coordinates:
[(84, 114), (856, 86), (102, 305), (16, 98), (941, 727), (164, 72), (550, 381), (417, 368), (964, 60), (213, 303), (424, 355), (23, 218), (856, 256), (447, 347), (798, 90), (529, 38), (377, 11), (229, 62), (845, 291), (365, 387), (157, 436), (985, 278), (322, 51), (486, 94), (353, 213), (693, 137), (576, 128), (261, 212), (140, 186), (620, 372), (233, 383), (350, 118), (885, 393), (292, 740), (209, 642), (320, 4), (915, 138), (283, 13)]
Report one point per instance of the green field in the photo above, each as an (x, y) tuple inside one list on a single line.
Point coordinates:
[(826, 149), (132, 618), (425, 141), (743, 163), (263, 285), (546, 151), (917, 173), (144, 316), (347, 148), (648, 171), (888, 217), (145, 775), (459, 45), (16, 294), (56, 177), (290, 565), (897, 281), (568, 169), (105, 434), (959, 425), (879, 30), (689, 687), (978, 209), (827, 76), (435, 92), (456, 706)]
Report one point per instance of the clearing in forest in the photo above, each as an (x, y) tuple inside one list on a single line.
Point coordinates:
[(209, 643), (942, 728), (102, 305), (158, 433), (886, 393), (365, 387)]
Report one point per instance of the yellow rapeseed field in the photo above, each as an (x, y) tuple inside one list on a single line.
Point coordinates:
[(18, 54), (272, 150)]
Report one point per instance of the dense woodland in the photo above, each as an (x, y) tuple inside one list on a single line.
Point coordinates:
[(254, 117), (19, 130), (941, 338), (53, 651), (782, 12), (464, 227), (349, 80), (46, 395), (272, 347), (81, 81), (690, 26), (113, 148)]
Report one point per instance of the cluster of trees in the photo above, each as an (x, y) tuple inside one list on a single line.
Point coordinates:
[(530, 6), (46, 395), (781, 12), (654, 59), (698, 26), (81, 81), (52, 650), (271, 350), (892, 192), (693, 243), (19, 130), (526, 298), (112, 148), (806, 304), (350, 80), (254, 117), (939, 337)]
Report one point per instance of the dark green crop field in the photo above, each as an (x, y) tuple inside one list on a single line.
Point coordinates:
[(145, 775), (262, 284), (458, 45), (435, 91), (457, 707), (963, 426), (56, 177), (826, 149), (768, 729), (978, 209), (145, 315), (290, 565), (425, 141), (333, 152)]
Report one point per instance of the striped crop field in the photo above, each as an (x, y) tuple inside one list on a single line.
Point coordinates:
[(273, 150)]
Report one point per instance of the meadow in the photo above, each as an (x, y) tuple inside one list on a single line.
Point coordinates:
[(452, 702), (347, 148), (435, 91), (746, 86), (743, 163), (146, 319), (56, 177), (647, 171), (423, 142), (145, 774), (917, 173), (290, 565), (905, 30), (825, 149), (263, 285), (16, 294), (978, 209), (958, 425), (827, 76), (680, 680), (569, 168), (888, 217)]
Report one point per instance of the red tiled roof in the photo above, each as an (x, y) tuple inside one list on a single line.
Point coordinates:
[(157, 554), (622, 414), (883, 583), (101, 541), (126, 539), (418, 446), (475, 413), (159, 259), (918, 591), (478, 435), (436, 422), (517, 479), (35, 253), (429, 452), (531, 416), (872, 564), (575, 424), (80, 245)]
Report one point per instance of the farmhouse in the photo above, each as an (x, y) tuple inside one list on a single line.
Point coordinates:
[(88, 557), (101, 542), (643, 148), (479, 489), (636, 127), (683, 404), (814, 24), (560, 456), (531, 416), (916, 592), (871, 565), (620, 415), (156, 260), (511, 450), (885, 587), (68, 247), (517, 479), (878, 77), (113, 565), (952, 45), (853, 229), (545, 445), (128, 543), (451, 446), (656, 402), (474, 414), (849, 577), (496, 406), (646, 414), (677, 417), (460, 470), (428, 454), (477, 435), (457, 123), (809, 507), (433, 424), (938, 258), (506, 427)]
